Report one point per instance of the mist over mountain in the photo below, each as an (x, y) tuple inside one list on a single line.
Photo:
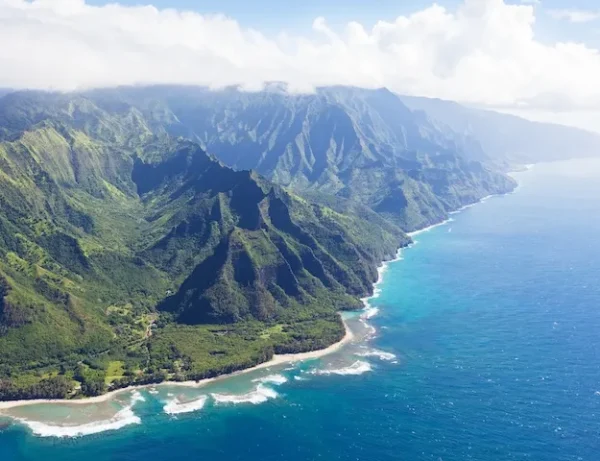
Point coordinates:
[(363, 145), (507, 138)]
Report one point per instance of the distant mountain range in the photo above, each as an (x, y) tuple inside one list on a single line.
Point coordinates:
[(362, 145), (507, 138), (129, 255)]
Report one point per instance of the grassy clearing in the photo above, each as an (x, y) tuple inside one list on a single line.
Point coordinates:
[(115, 370)]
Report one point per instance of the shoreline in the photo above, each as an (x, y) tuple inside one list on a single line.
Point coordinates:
[(384, 264), (278, 359), (459, 210)]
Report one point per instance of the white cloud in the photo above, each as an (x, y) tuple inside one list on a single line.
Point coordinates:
[(577, 16), (484, 52)]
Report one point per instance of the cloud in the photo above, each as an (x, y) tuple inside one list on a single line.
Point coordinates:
[(484, 52), (577, 16)]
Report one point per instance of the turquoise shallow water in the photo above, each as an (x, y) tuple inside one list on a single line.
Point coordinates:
[(495, 320)]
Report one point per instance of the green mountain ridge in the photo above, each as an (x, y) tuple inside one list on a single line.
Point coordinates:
[(128, 255), (125, 250), (363, 145)]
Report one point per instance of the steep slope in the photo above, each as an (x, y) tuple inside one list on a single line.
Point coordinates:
[(364, 145), (510, 140), (63, 253), (256, 249), (128, 256)]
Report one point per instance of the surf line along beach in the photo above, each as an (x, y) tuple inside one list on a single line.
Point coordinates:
[(277, 359), (126, 416), (369, 312)]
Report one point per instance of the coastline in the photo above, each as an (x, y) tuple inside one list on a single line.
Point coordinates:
[(450, 219), (368, 312), (278, 359)]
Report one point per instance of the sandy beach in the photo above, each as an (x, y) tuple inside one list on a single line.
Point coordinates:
[(276, 360)]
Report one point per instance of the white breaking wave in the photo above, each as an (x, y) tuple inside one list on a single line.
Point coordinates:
[(357, 368), (371, 330), (123, 418), (428, 228), (271, 379), (369, 312), (376, 291), (382, 270), (260, 395), (175, 407), (381, 355), (136, 397)]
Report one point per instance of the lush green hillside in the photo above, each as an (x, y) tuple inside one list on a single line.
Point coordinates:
[(363, 145), (129, 256)]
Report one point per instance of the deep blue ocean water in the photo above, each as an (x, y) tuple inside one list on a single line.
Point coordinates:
[(495, 319)]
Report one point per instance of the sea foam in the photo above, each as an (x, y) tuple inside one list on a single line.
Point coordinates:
[(433, 226), (136, 396), (357, 368), (381, 355), (123, 418), (271, 379), (369, 312), (175, 407), (261, 394)]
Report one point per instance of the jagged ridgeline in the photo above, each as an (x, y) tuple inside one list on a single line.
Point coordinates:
[(129, 256), (363, 145)]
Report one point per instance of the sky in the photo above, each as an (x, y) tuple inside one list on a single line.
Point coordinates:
[(537, 58)]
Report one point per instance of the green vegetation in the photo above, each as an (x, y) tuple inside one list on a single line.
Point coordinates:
[(351, 143), (129, 256), (114, 371)]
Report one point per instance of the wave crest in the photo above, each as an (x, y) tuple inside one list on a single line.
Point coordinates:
[(357, 368), (123, 418), (369, 312), (175, 406), (277, 380), (136, 396), (381, 355), (261, 394)]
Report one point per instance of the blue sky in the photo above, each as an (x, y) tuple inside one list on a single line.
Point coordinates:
[(272, 16), (276, 13)]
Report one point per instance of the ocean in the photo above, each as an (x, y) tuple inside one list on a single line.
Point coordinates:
[(481, 343)]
